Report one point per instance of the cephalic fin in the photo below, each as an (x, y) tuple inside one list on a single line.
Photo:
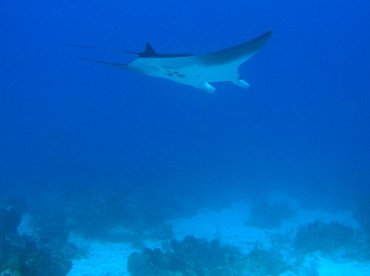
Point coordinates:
[(241, 83), (208, 87)]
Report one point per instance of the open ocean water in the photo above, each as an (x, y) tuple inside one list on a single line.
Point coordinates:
[(91, 153)]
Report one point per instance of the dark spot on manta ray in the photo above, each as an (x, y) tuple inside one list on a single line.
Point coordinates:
[(171, 73)]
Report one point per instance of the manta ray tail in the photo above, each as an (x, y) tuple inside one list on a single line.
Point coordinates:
[(106, 49), (115, 64)]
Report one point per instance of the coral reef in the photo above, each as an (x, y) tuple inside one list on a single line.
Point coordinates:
[(189, 257), (115, 214), (21, 254), (362, 214), (326, 237), (200, 257), (261, 262)]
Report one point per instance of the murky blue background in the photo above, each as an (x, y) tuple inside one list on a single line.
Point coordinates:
[(302, 128)]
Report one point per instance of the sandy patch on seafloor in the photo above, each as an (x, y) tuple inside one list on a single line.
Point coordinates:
[(102, 258)]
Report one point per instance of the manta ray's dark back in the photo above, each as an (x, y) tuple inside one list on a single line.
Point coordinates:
[(149, 52)]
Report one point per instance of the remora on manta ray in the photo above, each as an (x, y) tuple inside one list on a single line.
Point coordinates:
[(196, 70)]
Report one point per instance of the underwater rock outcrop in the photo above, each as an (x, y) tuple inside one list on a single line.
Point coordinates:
[(21, 254), (362, 215), (189, 257), (193, 256), (325, 237), (118, 215)]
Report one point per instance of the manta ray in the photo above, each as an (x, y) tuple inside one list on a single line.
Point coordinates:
[(198, 71)]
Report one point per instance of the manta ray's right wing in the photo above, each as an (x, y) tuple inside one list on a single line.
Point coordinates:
[(236, 54)]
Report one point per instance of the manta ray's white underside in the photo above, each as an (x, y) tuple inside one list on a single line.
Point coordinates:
[(197, 70), (190, 71)]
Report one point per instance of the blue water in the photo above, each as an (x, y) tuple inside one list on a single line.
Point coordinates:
[(302, 128)]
